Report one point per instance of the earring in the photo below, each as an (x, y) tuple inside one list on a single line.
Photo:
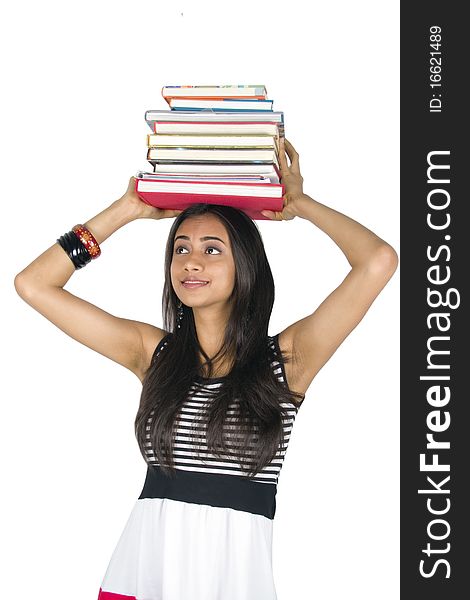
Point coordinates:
[(180, 313)]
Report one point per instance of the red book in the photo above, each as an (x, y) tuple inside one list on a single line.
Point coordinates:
[(178, 195)]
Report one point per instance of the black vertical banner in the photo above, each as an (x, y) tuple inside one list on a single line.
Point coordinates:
[(435, 353)]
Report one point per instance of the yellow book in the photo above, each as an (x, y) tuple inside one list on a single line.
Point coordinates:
[(211, 141)]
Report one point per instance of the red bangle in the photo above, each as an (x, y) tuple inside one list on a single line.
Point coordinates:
[(88, 240)]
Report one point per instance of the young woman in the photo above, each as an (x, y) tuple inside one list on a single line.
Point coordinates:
[(219, 396)]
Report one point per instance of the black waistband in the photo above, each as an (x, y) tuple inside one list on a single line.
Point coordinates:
[(228, 491)]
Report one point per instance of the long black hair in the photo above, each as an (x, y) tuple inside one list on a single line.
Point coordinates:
[(251, 383)]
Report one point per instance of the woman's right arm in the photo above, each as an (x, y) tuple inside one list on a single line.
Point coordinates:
[(40, 284)]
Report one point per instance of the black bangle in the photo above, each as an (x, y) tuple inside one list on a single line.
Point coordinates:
[(75, 249)]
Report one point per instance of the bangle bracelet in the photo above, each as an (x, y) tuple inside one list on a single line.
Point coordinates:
[(80, 245), (88, 240), (75, 249)]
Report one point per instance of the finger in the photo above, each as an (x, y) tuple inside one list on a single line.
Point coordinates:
[(292, 152), (294, 157), (268, 213), (282, 155), (273, 215)]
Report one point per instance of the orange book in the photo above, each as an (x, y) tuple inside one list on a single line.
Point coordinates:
[(214, 92)]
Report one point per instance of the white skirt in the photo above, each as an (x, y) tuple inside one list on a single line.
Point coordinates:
[(173, 550)]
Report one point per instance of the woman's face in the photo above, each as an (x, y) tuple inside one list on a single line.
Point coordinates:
[(202, 251)]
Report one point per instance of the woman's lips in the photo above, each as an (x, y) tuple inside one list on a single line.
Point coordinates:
[(190, 285)]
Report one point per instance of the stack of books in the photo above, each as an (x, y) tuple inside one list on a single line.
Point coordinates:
[(216, 144)]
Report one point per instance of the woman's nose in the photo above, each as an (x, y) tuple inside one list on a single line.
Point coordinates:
[(193, 263)]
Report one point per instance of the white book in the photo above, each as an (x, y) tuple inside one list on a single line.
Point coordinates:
[(210, 115), (223, 104), (254, 179), (193, 128), (215, 169), (207, 141)]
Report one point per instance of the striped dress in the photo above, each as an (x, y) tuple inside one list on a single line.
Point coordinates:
[(206, 534)]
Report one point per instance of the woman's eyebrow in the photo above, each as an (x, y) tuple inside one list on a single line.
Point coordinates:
[(203, 239)]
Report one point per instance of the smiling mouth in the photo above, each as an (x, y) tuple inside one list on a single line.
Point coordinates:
[(193, 284)]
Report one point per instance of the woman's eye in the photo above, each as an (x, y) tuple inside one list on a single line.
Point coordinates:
[(208, 249)]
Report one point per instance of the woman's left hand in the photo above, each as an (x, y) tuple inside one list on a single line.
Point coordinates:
[(292, 181)]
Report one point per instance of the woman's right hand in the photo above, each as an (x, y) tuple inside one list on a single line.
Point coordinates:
[(141, 209)]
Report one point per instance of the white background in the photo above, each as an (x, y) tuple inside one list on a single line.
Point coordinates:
[(79, 78)]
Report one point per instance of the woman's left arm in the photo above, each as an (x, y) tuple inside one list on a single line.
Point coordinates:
[(313, 340)]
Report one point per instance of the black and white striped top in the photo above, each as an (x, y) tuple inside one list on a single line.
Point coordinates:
[(190, 448)]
